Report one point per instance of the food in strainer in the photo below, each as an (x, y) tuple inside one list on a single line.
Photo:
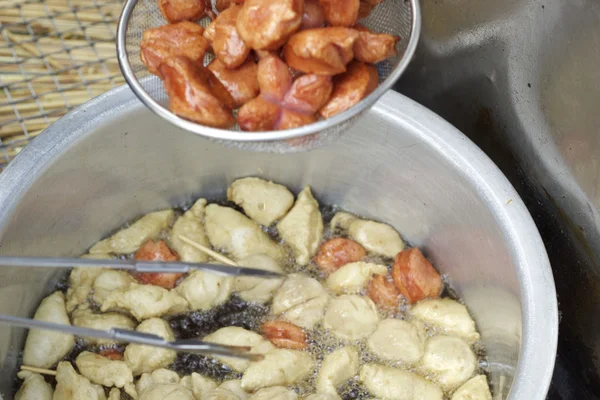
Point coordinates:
[(317, 60)]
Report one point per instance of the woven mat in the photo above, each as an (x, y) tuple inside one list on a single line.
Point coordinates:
[(54, 56)]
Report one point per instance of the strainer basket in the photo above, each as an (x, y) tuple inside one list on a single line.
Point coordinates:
[(395, 17)]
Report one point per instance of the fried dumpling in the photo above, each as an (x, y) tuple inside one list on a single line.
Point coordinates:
[(108, 281), (253, 289), (476, 388), (34, 387), (86, 318), (238, 235), (43, 348), (302, 227), (353, 278), (72, 386), (337, 368), (398, 340), (198, 384), (145, 301), (300, 300), (205, 290), (280, 367), (395, 383), (447, 314), (159, 376), (274, 393), (376, 237), (450, 360), (236, 336), (263, 201), (351, 317), (141, 358), (130, 239), (190, 225), (81, 282), (103, 371)]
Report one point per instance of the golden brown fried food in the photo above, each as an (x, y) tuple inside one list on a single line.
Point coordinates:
[(337, 252), (111, 354), (267, 24), (414, 276), (241, 83), (313, 16), (366, 6), (156, 251), (383, 293), (260, 54), (258, 115), (222, 5), (286, 105), (227, 44), (284, 335), (308, 93), (321, 51), (183, 10), (181, 39), (290, 119), (371, 47), (340, 12), (196, 94), (274, 78), (350, 88)]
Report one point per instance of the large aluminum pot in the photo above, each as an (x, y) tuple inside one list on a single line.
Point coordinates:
[(112, 160)]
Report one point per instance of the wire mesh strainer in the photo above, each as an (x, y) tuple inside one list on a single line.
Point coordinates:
[(395, 17)]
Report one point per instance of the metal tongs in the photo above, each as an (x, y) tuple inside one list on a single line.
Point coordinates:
[(129, 336), (125, 335), (135, 265)]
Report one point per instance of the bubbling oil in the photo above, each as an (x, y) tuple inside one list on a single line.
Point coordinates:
[(320, 342), (250, 316)]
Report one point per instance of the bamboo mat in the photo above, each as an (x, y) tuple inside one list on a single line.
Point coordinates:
[(54, 56)]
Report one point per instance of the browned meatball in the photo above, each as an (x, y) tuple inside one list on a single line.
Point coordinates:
[(222, 5), (274, 78), (308, 93), (196, 94), (258, 115), (350, 88), (241, 83), (383, 293), (321, 51), (290, 119), (414, 276), (340, 12), (366, 7), (181, 39), (284, 335), (283, 104), (371, 47), (156, 251), (267, 24), (337, 252), (313, 16), (227, 44), (183, 10)]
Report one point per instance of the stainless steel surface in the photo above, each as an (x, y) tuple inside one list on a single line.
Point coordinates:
[(133, 265), (112, 160), (521, 79), (397, 17), (129, 336)]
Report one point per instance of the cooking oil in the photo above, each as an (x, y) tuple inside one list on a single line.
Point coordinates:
[(250, 316)]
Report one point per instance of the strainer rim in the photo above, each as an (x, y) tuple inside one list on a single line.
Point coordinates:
[(262, 136)]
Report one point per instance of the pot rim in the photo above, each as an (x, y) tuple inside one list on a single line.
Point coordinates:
[(536, 283)]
